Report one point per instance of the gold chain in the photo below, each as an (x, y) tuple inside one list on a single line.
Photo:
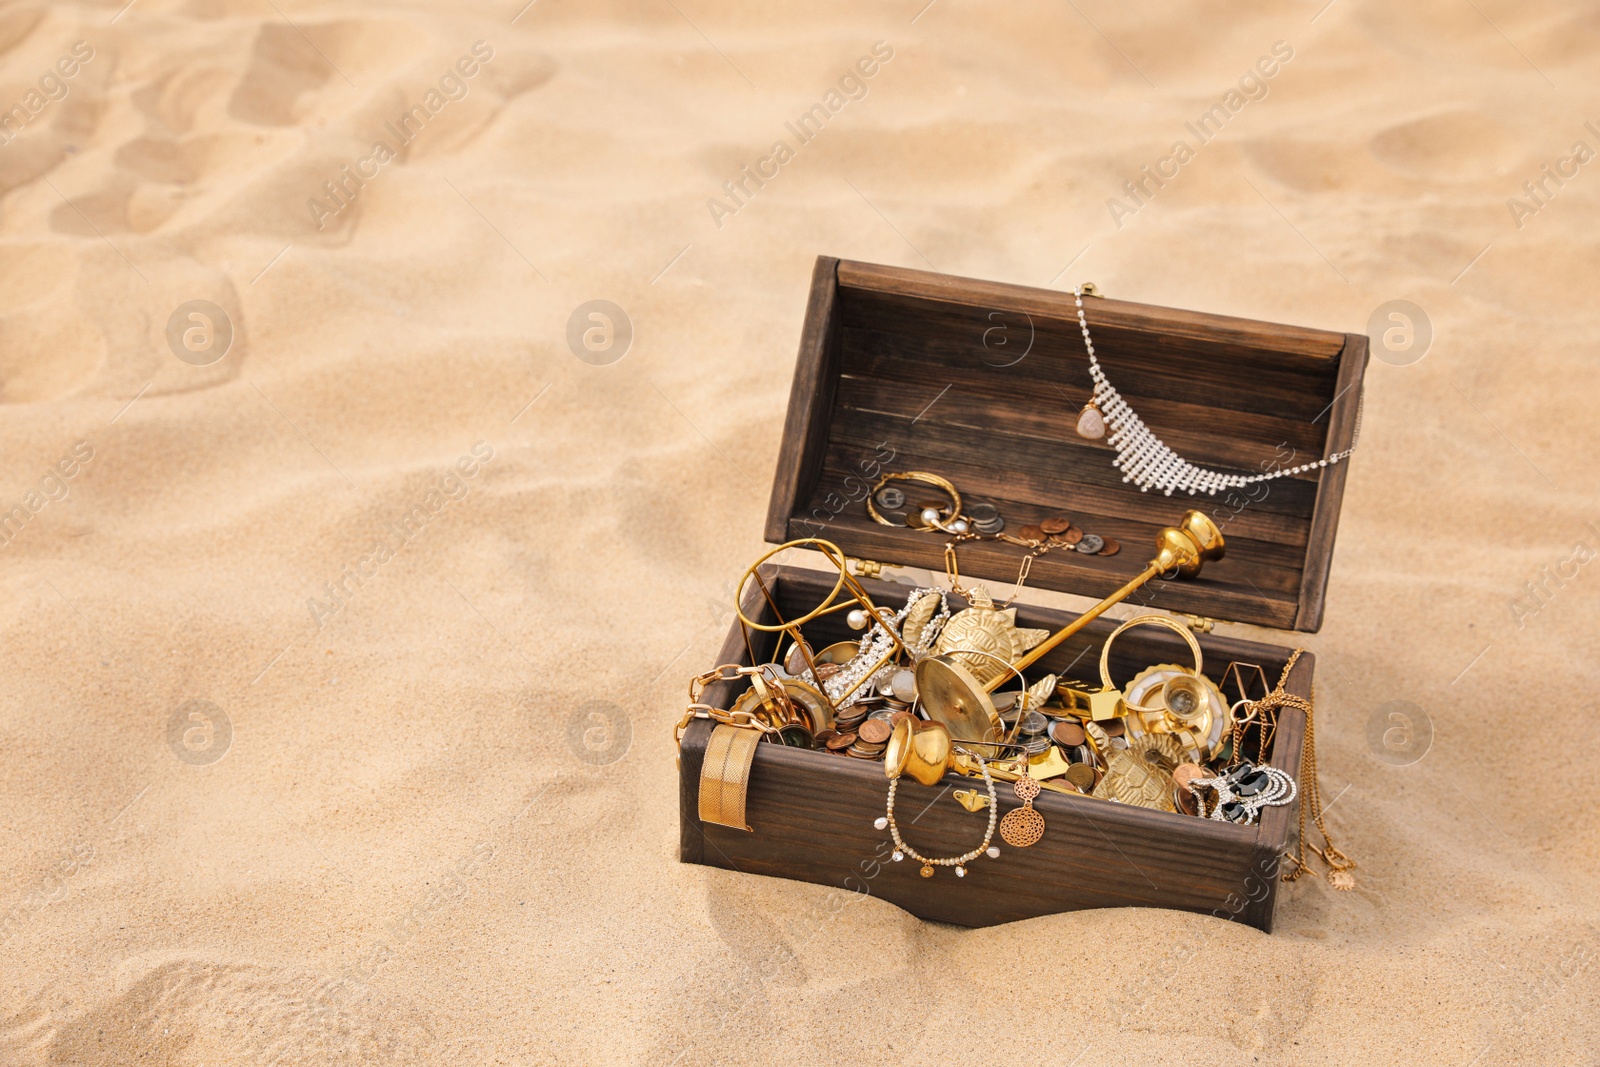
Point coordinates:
[(953, 572), (728, 672), (1310, 793)]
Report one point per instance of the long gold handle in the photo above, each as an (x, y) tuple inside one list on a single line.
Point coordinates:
[(1076, 624), (1182, 548)]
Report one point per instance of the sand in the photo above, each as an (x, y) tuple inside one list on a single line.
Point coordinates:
[(425, 808)]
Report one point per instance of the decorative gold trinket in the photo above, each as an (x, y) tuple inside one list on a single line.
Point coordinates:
[(1132, 780), (971, 799), (987, 631)]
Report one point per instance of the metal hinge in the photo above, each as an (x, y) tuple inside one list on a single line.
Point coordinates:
[(870, 568), (1200, 624), (1091, 289)]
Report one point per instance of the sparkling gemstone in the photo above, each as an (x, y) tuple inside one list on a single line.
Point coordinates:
[(897, 855), (961, 872), (1090, 423), (881, 822)]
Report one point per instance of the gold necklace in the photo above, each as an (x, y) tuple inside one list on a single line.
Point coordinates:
[(1339, 864)]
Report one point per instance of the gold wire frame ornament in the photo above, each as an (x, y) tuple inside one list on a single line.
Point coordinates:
[(857, 595)]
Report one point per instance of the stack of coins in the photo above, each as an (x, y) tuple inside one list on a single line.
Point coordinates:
[(986, 519), (848, 720), (1032, 734), (1008, 706), (871, 739)]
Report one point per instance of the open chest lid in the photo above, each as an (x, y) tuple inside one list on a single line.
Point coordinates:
[(981, 383)]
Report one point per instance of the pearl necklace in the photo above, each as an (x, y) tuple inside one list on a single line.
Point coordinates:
[(1142, 457)]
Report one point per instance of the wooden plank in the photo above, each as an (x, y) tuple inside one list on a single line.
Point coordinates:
[(972, 401), (1005, 465), (1192, 325), (1344, 420), (844, 499), (811, 396), (1138, 364)]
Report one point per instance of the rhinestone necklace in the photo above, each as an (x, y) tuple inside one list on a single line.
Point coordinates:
[(1142, 457)]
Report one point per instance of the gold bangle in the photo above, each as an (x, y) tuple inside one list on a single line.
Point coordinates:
[(914, 476), (1144, 620)]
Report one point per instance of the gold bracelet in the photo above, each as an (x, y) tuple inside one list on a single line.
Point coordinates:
[(1147, 620), (925, 478)]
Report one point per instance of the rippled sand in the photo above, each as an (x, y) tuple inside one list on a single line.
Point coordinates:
[(442, 827)]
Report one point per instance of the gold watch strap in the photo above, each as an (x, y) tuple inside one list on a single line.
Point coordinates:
[(725, 775)]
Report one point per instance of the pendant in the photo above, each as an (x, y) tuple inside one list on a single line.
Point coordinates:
[(1023, 826), (1091, 424), (1342, 879)]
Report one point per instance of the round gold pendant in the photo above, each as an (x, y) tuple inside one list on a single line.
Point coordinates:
[(1022, 827), (927, 870)]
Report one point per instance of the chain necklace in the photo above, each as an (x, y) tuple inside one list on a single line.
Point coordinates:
[(1142, 457), (1339, 864)]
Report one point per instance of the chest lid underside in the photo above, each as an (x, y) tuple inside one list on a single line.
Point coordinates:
[(981, 383)]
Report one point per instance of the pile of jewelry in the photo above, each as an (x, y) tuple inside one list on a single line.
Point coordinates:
[(931, 693)]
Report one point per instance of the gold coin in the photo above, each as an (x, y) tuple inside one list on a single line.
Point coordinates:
[(1081, 775)]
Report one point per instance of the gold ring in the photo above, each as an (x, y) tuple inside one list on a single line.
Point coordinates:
[(914, 476), (1147, 620)]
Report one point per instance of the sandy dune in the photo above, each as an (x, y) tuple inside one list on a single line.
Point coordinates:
[(320, 749)]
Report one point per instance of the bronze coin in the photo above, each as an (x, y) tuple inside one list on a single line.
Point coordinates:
[(1067, 733), (1072, 535), (1081, 775), (1185, 773), (1110, 548), (1114, 727), (897, 718), (841, 741), (1055, 524), (1031, 533), (824, 736), (1186, 801), (875, 731)]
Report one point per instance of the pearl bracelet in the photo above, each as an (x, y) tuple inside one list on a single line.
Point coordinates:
[(902, 850)]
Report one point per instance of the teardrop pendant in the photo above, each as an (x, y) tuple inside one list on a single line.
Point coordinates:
[(1091, 424)]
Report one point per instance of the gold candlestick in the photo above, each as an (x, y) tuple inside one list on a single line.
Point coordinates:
[(952, 695)]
